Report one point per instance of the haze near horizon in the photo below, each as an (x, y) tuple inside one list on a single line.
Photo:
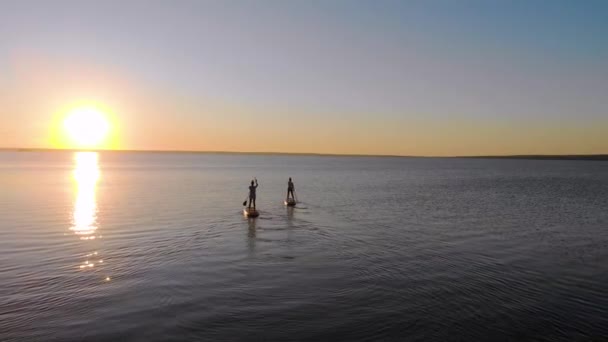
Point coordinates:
[(344, 77)]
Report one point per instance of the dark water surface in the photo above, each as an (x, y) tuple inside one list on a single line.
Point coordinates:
[(154, 247)]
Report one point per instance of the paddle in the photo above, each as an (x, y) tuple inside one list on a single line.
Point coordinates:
[(245, 203)]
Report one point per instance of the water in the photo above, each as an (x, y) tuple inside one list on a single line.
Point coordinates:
[(154, 247)]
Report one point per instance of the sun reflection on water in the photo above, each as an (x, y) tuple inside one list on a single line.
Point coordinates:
[(84, 223), (86, 175)]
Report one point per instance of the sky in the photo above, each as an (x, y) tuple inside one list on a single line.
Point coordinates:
[(434, 78)]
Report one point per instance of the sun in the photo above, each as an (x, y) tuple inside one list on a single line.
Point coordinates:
[(86, 127)]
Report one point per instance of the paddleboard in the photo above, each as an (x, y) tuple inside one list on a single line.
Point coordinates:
[(290, 203), (251, 212)]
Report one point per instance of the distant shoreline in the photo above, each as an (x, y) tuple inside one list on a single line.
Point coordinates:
[(603, 157), (599, 157)]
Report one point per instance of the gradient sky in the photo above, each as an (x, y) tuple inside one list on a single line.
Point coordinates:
[(369, 77)]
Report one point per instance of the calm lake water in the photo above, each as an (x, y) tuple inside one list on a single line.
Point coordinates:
[(154, 247)]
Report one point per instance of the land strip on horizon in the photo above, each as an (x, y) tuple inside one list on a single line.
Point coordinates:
[(603, 157)]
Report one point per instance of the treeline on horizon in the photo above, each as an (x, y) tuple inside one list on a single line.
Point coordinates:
[(548, 157), (602, 157)]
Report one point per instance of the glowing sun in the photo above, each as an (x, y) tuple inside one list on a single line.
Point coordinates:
[(86, 127)]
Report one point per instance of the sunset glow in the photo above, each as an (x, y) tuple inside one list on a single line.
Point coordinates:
[(86, 127), (396, 78)]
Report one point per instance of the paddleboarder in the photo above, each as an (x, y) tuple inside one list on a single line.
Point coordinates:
[(252, 189), (290, 189)]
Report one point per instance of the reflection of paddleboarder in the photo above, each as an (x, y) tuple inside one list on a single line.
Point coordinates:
[(290, 189), (252, 189)]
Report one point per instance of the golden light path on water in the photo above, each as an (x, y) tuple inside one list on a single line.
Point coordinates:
[(86, 175)]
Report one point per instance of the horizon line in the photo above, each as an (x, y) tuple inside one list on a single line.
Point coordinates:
[(600, 156)]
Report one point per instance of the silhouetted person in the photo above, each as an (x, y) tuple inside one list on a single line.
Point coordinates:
[(290, 189), (252, 189)]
